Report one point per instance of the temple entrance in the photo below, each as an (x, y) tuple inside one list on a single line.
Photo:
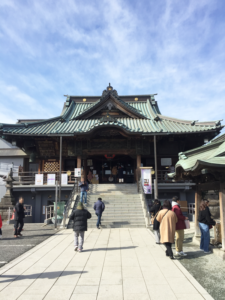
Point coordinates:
[(108, 169)]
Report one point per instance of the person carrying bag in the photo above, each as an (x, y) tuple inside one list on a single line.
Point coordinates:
[(205, 221), (167, 220)]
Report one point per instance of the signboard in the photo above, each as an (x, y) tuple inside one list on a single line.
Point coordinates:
[(38, 179), (64, 179), (51, 179), (146, 180), (166, 162), (77, 172)]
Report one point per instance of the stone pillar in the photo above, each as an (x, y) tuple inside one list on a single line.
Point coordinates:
[(198, 198), (138, 166), (222, 213)]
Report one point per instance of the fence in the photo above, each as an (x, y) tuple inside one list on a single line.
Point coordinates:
[(28, 178), (27, 212)]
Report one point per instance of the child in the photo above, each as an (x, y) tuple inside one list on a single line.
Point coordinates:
[(0, 227)]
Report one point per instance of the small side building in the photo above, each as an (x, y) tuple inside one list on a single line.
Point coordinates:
[(205, 166)]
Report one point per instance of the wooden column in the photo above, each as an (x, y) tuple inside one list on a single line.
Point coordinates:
[(138, 166), (156, 170), (60, 166), (78, 161), (85, 169), (222, 213), (198, 198)]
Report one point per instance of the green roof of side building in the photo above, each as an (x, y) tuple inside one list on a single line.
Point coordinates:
[(140, 116), (211, 155)]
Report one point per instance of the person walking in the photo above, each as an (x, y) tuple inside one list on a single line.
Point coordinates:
[(167, 220), (154, 210), (99, 207), (180, 226), (120, 174), (84, 188), (205, 221), (19, 216), (0, 227), (79, 218)]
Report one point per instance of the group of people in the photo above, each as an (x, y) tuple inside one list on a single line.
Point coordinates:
[(169, 221), (80, 217)]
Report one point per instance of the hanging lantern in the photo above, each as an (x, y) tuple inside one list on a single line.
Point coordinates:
[(109, 156)]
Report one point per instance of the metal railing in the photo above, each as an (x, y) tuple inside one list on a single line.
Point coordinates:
[(28, 178), (74, 191)]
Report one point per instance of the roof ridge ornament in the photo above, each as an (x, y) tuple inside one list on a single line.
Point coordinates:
[(109, 90)]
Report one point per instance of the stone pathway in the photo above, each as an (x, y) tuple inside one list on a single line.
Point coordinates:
[(116, 264)]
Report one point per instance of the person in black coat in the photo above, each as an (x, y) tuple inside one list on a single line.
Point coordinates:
[(154, 210), (19, 216), (205, 222), (120, 174), (79, 218)]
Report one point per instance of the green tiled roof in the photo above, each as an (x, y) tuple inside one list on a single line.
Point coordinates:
[(211, 154), (151, 123)]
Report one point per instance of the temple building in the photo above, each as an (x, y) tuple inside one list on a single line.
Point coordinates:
[(96, 133)]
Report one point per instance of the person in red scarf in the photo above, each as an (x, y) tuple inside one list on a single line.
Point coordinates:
[(180, 226)]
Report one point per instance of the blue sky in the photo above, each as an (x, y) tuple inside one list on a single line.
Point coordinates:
[(52, 48)]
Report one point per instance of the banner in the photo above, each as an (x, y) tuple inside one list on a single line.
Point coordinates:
[(38, 179), (64, 179), (77, 172), (146, 180), (51, 179)]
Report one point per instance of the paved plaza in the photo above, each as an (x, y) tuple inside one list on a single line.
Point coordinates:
[(116, 264)]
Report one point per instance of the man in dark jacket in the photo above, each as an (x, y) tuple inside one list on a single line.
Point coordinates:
[(19, 216), (79, 218), (99, 207), (84, 187), (180, 226)]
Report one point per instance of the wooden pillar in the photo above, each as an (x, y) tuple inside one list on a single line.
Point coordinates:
[(156, 170), (198, 198), (60, 166), (222, 213), (138, 166), (85, 169), (78, 161)]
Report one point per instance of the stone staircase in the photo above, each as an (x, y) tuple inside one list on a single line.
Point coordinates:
[(122, 202)]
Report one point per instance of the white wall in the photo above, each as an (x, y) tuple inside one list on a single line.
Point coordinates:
[(6, 145)]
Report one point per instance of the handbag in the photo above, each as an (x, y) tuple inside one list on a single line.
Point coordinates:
[(187, 224)]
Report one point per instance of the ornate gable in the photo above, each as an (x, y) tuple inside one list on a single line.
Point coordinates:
[(110, 104)]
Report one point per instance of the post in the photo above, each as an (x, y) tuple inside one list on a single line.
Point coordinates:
[(56, 196), (198, 198), (222, 213), (138, 166), (78, 161), (60, 167), (156, 170)]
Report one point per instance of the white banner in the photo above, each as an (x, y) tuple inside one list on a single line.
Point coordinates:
[(77, 172), (64, 179), (146, 180), (38, 179), (51, 179)]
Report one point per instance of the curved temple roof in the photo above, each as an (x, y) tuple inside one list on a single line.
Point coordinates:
[(141, 116), (211, 155)]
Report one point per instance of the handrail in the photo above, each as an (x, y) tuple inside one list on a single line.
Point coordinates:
[(70, 200)]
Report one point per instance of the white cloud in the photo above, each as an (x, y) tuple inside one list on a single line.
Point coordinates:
[(173, 48)]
